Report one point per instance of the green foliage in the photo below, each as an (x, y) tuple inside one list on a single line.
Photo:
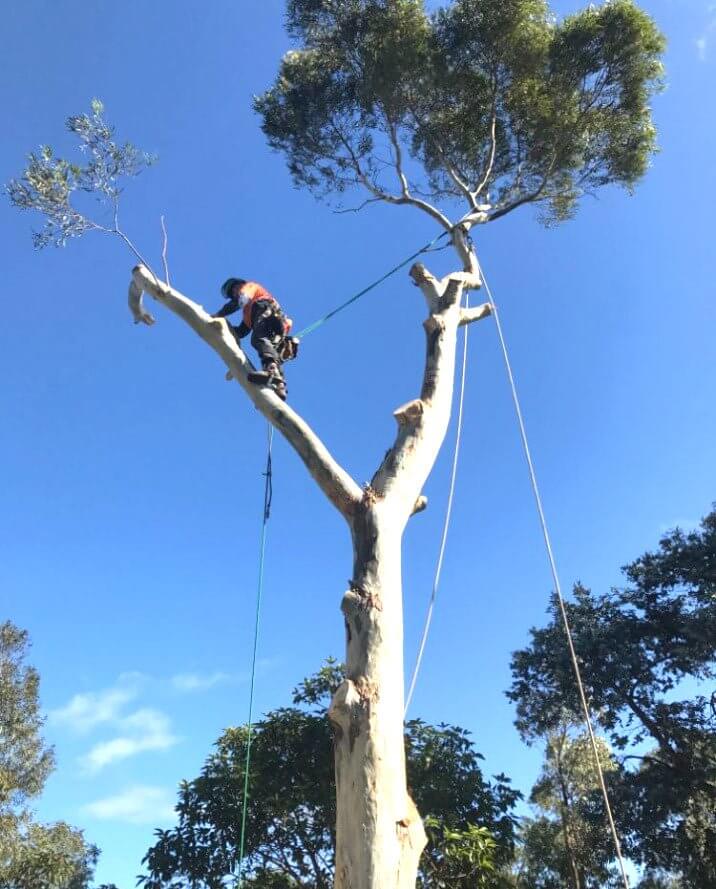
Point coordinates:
[(462, 859), (51, 856), (291, 813), (638, 644), (660, 881), (49, 183), (25, 761), (492, 97), (41, 856), (568, 843)]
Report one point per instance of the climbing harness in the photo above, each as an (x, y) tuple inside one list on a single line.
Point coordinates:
[(316, 324), (268, 496)]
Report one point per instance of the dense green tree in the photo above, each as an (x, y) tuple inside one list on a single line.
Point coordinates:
[(32, 855), (493, 101), (638, 644), (291, 813)]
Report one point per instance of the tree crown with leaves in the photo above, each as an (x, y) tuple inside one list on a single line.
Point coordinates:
[(639, 643), (493, 102)]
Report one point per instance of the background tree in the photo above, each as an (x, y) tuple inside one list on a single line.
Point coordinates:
[(568, 844), (496, 104), (41, 856), (291, 820), (640, 643)]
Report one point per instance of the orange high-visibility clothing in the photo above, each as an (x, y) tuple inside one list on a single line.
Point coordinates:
[(252, 293)]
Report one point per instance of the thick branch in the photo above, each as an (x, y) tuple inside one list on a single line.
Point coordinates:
[(474, 313), (398, 159), (470, 278), (333, 480), (493, 148), (422, 423)]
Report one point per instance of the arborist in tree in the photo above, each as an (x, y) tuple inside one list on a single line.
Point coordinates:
[(269, 328)]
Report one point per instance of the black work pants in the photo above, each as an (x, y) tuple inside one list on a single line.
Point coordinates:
[(265, 335)]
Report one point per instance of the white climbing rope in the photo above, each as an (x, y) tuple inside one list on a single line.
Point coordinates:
[(446, 526), (557, 585)]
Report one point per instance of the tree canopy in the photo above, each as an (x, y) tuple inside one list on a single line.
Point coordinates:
[(493, 102), (639, 645), (291, 813), (41, 856)]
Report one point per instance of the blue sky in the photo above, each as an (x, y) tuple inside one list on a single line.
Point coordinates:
[(132, 482)]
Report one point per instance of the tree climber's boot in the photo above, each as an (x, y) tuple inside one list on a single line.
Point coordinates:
[(270, 376), (278, 384)]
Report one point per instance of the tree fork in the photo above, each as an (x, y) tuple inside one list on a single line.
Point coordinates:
[(379, 833)]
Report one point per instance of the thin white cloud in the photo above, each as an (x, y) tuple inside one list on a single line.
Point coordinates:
[(142, 731), (188, 682), (140, 804), (705, 39), (86, 711)]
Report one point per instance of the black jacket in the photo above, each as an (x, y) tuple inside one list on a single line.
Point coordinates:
[(257, 309)]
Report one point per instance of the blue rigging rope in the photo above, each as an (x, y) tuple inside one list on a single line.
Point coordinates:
[(357, 296)]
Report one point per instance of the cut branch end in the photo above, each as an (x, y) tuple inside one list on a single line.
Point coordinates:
[(409, 414)]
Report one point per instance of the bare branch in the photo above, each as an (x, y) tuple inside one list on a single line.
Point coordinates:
[(493, 148), (422, 423), (457, 179), (525, 199), (451, 169), (333, 480), (165, 241), (398, 157), (136, 305), (404, 198), (474, 313), (340, 210)]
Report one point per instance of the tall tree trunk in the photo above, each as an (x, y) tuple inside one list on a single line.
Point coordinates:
[(379, 833), (379, 836)]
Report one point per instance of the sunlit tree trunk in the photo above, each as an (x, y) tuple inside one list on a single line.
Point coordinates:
[(379, 836)]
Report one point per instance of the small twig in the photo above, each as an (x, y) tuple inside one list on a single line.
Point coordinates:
[(357, 209), (136, 252), (164, 251)]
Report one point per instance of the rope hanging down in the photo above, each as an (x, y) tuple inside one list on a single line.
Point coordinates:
[(446, 525), (557, 585), (357, 296), (268, 495)]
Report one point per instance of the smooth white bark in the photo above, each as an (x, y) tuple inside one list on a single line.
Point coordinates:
[(332, 479), (379, 832)]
